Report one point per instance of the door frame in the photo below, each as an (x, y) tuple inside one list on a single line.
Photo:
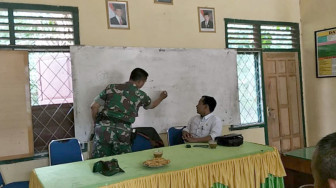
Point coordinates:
[(258, 48)]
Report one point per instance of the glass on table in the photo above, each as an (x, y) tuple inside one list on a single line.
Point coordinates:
[(158, 153)]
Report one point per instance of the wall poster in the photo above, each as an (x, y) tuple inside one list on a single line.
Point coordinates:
[(325, 50)]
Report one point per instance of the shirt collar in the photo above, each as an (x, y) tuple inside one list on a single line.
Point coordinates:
[(130, 83), (207, 116)]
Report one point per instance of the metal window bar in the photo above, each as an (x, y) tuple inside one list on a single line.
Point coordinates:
[(51, 97), (45, 31), (249, 85)]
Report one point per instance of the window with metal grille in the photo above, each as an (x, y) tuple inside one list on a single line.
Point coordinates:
[(249, 86), (251, 38), (43, 28), (47, 33), (4, 27), (244, 34)]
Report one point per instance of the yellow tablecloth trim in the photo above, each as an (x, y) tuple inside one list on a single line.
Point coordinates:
[(250, 171)]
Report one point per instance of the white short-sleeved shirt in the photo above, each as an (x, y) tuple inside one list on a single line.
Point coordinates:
[(200, 127)]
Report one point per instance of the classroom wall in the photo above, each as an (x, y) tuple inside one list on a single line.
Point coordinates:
[(319, 93), (166, 26), (170, 26)]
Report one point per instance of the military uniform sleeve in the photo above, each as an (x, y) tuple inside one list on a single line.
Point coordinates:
[(101, 98), (146, 101)]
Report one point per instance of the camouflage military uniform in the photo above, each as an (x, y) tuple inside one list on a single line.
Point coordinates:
[(121, 103)]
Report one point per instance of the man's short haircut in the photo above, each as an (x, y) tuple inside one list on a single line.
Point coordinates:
[(138, 74), (210, 101), (325, 161), (117, 7), (206, 13)]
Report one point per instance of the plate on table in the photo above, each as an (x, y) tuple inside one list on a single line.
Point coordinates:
[(156, 162)]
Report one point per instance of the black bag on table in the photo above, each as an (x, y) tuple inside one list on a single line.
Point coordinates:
[(230, 140)]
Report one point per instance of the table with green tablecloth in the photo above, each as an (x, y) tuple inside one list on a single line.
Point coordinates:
[(249, 165)]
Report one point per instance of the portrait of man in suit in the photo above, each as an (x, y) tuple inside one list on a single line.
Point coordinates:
[(206, 19), (207, 23), (117, 14), (118, 19)]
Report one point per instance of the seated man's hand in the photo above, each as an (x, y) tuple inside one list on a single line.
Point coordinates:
[(191, 139), (185, 135)]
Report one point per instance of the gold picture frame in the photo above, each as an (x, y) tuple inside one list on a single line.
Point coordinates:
[(206, 19), (117, 14)]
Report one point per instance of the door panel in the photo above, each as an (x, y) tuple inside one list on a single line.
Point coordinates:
[(284, 122), (281, 66), (296, 142), (291, 67), (285, 144), (271, 67), (293, 104), (283, 100), (282, 90)]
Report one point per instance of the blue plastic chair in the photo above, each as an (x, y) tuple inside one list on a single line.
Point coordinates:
[(141, 143), (175, 136), (20, 184), (64, 151)]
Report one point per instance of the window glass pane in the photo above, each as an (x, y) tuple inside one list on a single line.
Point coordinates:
[(44, 42), (51, 97), (3, 12), (275, 27), (35, 13), (250, 100), (239, 31), (244, 26), (241, 46), (240, 41), (50, 78)]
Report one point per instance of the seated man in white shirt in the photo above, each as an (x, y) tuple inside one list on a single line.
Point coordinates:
[(205, 126)]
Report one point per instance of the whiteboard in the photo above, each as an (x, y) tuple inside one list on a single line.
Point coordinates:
[(186, 74)]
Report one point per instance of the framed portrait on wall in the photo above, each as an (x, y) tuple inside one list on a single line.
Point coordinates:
[(164, 1), (206, 19), (325, 45), (117, 14)]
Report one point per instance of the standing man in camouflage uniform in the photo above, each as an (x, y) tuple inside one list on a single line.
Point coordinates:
[(120, 102)]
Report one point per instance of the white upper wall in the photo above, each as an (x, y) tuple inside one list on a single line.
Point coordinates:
[(319, 93)]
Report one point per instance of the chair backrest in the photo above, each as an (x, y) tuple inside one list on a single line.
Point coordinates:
[(64, 151), (174, 136), (2, 183), (19, 184), (141, 143)]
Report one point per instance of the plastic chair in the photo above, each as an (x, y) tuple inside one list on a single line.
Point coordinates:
[(64, 151), (20, 184), (141, 143), (174, 136)]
